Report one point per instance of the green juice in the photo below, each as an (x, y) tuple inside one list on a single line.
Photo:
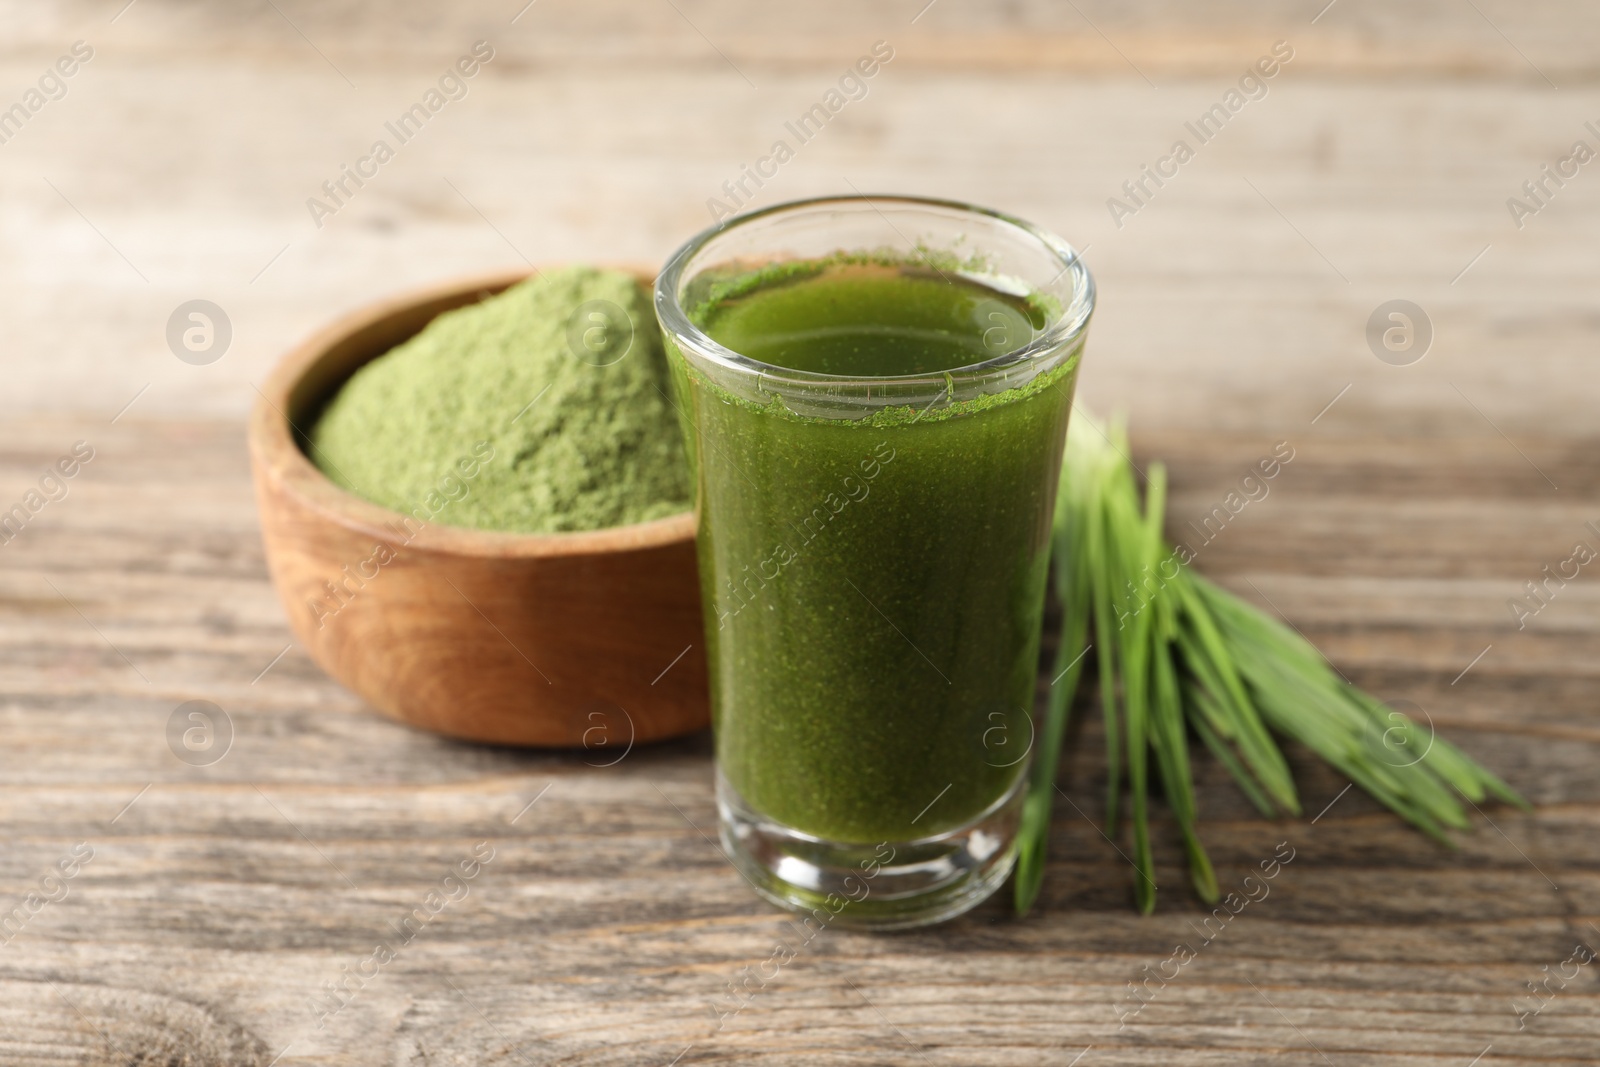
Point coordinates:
[(873, 585)]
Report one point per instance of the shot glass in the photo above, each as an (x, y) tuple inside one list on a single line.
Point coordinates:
[(874, 392)]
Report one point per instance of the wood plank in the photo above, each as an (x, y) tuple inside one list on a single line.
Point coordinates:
[(607, 927)]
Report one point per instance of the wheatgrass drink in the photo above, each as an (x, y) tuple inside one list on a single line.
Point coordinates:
[(874, 394)]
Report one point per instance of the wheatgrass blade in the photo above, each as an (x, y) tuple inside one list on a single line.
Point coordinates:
[(1125, 536), (1166, 710), (1225, 755), (1072, 590), (1101, 577)]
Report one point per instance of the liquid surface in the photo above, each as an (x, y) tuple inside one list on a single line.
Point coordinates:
[(872, 591), (871, 320)]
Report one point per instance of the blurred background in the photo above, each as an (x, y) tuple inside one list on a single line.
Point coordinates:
[(1377, 166)]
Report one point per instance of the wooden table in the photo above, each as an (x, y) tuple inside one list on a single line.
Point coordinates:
[(220, 901)]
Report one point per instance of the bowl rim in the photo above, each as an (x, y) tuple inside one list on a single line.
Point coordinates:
[(276, 455)]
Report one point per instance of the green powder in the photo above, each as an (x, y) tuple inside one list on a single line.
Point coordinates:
[(540, 410)]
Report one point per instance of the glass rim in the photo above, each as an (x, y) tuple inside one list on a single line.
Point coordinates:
[(1060, 336)]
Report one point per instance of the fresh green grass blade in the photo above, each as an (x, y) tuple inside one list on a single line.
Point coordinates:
[(1168, 739), (1100, 579), (1072, 591), (1209, 656), (1225, 755), (1240, 724), (1299, 695), (1072, 577), (1125, 533), (1465, 776), (1172, 756), (1486, 780)]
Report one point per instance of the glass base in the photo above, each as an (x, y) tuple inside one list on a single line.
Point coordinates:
[(892, 885)]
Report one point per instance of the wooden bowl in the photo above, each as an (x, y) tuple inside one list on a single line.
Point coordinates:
[(575, 639)]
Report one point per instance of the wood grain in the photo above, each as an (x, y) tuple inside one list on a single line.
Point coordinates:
[(608, 928)]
